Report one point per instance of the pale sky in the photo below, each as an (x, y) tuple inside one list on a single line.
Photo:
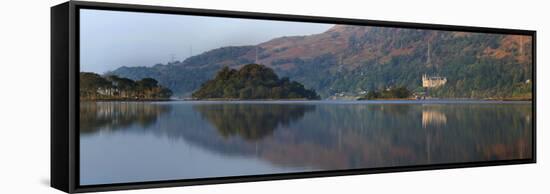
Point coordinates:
[(111, 39)]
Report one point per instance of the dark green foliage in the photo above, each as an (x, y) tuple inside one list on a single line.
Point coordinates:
[(400, 92), (122, 83), (147, 83), (252, 81), (90, 82), (392, 93), (372, 95), (112, 87)]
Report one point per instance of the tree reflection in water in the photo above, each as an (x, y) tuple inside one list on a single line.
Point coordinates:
[(95, 116), (344, 136), (251, 121), (328, 135)]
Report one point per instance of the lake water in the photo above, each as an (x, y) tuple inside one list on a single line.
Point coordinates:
[(124, 142)]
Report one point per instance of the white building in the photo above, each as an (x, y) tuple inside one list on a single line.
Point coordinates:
[(433, 81)]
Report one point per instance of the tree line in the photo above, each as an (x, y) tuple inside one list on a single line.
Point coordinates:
[(112, 87), (391, 93)]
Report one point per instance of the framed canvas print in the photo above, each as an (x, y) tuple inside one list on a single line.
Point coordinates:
[(149, 96)]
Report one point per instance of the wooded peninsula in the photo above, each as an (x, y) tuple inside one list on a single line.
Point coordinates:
[(112, 87), (251, 82)]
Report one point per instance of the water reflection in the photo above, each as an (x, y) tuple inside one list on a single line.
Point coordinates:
[(433, 118), (301, 136), (118, 115), (251, 121)]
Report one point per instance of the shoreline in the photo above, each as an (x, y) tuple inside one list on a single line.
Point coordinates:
[(393, 100), (126, 100), (451, 99)]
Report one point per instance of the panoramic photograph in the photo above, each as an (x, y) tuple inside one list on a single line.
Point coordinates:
[(176, 97)]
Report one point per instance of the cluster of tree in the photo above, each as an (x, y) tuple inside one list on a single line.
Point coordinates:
[(179, 78), (253, 81), (392, 93), (112, 87)]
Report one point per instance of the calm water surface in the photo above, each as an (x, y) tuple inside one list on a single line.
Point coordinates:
[(150, 141)]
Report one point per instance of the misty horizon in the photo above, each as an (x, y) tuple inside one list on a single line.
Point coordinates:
[(112, 39)]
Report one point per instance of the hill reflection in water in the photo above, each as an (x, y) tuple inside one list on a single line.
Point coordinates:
[(310, 136), (251, 121)]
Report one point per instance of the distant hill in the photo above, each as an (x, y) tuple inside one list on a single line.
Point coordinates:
[(185, 77), (354, 59), (252, 81)]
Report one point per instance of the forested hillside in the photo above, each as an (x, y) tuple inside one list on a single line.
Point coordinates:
[(350, 60)]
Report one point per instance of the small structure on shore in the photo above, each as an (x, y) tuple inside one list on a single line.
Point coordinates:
[(429, 81), (433, 81)]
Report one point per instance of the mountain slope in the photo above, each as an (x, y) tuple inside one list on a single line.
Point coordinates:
[(351, 59)]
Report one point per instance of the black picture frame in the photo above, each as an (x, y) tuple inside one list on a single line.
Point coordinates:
[(65, 106)]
